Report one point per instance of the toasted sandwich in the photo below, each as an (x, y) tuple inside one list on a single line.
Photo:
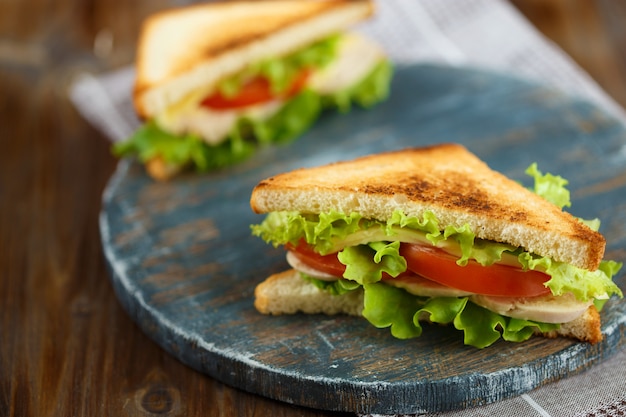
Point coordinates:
[(434, 235), (216, 80)]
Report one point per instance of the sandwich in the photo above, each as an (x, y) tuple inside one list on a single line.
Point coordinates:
[(216, 81), (417, 236)]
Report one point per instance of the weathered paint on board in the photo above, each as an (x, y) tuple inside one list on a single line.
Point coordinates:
[(184, 264)]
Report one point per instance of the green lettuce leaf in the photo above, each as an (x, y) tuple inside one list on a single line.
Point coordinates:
[(479, 325), (365, 264), (386, 306), (518, 330), (150, 141), (319, 231), (550, 187), (584, 284), (337, 287)]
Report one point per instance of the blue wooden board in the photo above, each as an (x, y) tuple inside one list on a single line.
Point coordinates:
[(184, 265)]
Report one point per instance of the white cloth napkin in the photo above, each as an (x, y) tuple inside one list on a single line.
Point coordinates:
[(479, 33)]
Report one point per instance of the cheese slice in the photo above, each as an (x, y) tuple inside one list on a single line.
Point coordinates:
[(545, 308)]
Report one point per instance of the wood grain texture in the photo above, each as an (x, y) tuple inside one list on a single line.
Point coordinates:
[(66, 345)]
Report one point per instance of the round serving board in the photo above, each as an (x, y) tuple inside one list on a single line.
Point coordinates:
[(184, 264)]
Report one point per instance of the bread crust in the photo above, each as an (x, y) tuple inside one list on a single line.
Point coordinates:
[(446, 179), (287, 293), (193, 47), (585, 328)]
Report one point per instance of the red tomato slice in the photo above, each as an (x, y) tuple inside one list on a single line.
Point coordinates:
[(496, 279), (323, 263), (257, 90), (441, 267)]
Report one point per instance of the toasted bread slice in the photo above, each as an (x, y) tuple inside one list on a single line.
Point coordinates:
[(446, 179), (288, 293), (185, 49)]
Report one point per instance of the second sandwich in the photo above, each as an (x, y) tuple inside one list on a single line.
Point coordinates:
[(216, 80)]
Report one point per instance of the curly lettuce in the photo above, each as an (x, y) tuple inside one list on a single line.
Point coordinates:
[(366, 264), (387, 306)]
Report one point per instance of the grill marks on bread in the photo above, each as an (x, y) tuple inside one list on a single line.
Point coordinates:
[(450, 191), (449, 181)]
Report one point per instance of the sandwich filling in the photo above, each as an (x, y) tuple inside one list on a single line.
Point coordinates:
[(410, 269), (272, 101)]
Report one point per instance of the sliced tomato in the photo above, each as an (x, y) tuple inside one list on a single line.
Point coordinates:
[(257, 90), (496, 279), (441, 267), (323, 263)]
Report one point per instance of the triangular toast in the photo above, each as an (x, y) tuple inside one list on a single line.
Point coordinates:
[(446, 179)]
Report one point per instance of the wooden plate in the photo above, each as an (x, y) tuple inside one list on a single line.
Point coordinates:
[(184, 265)]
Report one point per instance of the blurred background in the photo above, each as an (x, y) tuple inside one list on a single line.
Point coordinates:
[(66, 346)]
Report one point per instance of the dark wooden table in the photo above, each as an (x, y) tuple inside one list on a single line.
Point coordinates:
[(66, 346)]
